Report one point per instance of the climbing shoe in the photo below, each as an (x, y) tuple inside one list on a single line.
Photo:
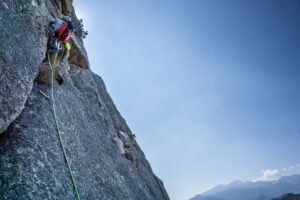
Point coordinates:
[(60, 81), (59, 77)]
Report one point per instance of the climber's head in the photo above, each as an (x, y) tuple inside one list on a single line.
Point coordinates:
[(71, 25)]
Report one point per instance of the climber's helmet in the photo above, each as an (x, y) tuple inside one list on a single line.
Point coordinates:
[(67, 18)]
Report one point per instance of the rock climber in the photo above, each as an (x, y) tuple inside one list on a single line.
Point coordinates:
[(60, 32)]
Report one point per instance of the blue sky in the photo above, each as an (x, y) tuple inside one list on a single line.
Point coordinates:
[(211, 88)]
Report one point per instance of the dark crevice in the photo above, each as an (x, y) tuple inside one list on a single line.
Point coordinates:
[(5, 134)]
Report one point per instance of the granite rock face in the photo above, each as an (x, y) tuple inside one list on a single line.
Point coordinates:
[(106, 160)]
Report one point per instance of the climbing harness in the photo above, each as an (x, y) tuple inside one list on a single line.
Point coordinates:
[(59, 132)]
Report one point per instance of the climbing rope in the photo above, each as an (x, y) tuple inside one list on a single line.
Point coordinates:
[(59, 132)]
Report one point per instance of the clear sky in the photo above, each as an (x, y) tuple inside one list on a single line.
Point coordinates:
[(211, 88)]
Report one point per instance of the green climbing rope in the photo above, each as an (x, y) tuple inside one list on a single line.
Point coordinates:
[(59, 132)]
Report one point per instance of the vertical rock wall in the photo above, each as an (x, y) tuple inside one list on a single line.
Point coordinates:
[(106, 160)]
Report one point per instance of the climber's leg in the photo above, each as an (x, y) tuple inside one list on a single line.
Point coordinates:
[(54, 47), (58, 75), (66, 53), (53, 58)]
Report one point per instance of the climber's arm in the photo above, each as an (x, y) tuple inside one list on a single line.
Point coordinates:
[(51, 27)]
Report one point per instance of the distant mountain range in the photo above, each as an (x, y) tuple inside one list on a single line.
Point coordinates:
[(259, 190), (289, 196)]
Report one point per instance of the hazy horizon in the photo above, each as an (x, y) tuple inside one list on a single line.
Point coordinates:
[(210, 88)]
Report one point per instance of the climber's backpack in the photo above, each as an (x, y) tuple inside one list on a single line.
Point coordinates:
[(64, 32)]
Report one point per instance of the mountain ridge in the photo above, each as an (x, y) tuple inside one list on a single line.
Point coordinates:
[(259, 190)]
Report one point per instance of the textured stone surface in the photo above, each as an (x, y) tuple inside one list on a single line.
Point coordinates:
[(20, 55), (66, 6), (106, 160), (23, 39)]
